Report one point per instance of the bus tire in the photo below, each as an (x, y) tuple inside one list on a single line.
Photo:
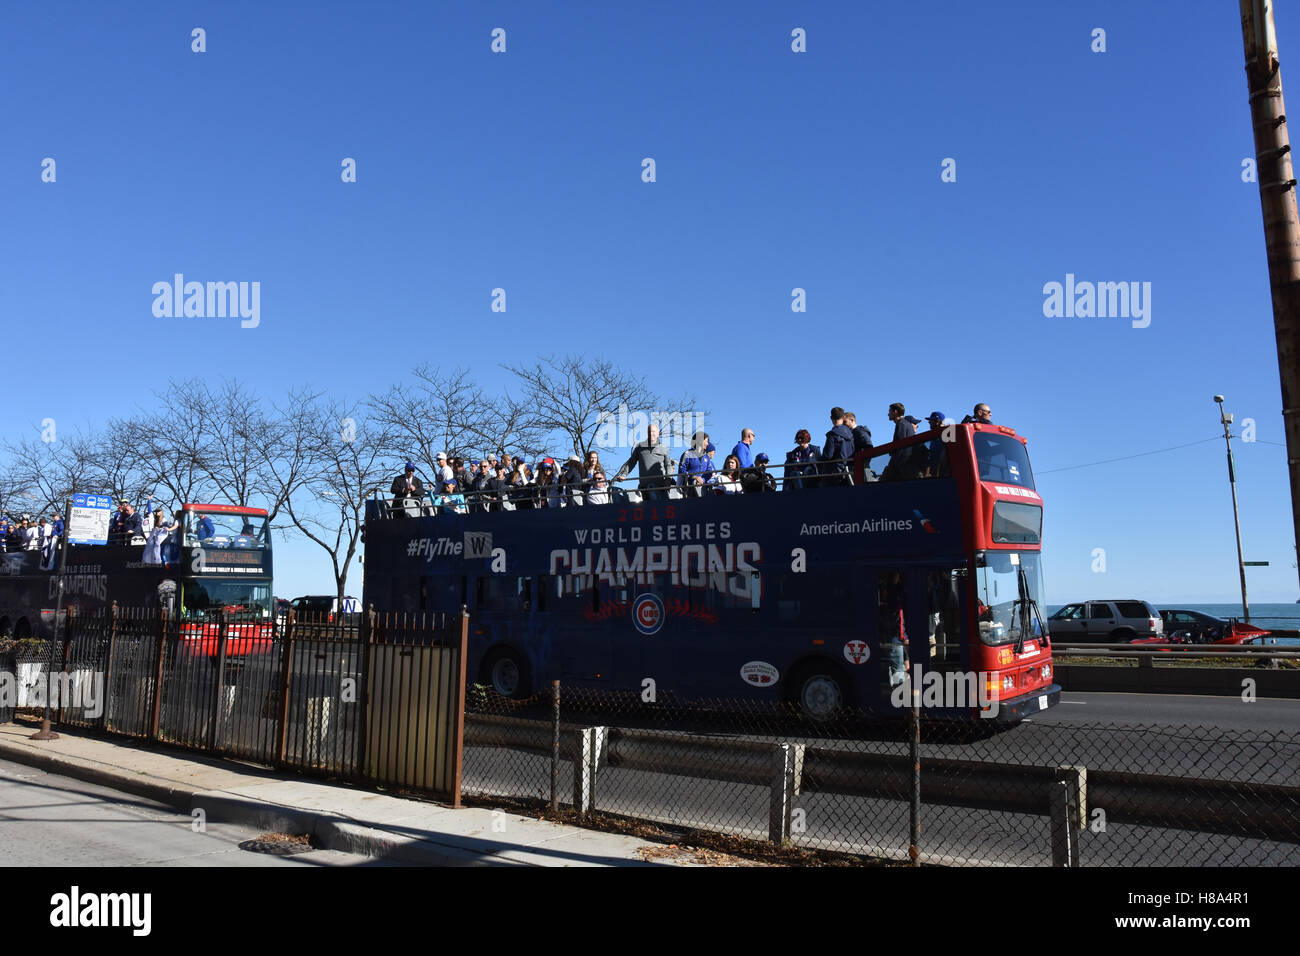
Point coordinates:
[(1122, 635), (507, 673), (820, 690)]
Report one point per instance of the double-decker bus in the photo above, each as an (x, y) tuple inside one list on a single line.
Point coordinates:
[(217, 571), (828, 598)]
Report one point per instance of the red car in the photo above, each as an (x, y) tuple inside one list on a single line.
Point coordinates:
[(1196, 627)]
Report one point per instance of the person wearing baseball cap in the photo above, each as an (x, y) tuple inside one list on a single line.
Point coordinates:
[(939, 466), (407, 491), (757, 478)]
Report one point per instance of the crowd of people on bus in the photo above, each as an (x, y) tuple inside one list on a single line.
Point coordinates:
[(26, 534), (127, 525), (508, 482)]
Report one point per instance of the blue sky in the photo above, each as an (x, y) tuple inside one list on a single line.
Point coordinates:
[(775, 170)]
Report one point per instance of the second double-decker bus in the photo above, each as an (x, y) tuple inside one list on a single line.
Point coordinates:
[(216, 573), (828, 598)]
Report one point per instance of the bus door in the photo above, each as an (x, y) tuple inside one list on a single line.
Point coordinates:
[(918, 628), (945, 595)]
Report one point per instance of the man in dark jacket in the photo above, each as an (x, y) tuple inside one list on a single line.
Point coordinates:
[(652, 459), (861, 433), (938, 466), (982, 415), (407, 490), (901, 459), (838, 450)]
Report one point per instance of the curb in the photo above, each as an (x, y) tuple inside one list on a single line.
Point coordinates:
[(139, 785), (329, 831)]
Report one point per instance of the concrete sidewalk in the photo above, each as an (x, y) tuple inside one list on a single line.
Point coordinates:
[(337, 816)]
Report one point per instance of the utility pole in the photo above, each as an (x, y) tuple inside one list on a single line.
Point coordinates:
[(1226, 420), (1277, 197)]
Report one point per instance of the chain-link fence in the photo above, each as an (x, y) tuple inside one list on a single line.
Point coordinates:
[(1038, 792)]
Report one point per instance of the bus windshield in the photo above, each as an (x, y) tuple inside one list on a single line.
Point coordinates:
[(1003, 459), (235, 599), (1009, 588), (218, 529)]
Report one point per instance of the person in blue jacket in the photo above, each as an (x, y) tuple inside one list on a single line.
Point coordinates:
[(695, 468), (744, 450)]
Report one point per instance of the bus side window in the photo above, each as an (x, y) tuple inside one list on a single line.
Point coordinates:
[(525, 591)]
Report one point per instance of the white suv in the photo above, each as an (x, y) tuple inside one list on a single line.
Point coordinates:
[(1111, 622)]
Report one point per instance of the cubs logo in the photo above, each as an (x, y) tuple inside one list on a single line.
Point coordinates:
[(648, 613)]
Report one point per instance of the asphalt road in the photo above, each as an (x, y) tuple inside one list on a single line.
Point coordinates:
[(49, 820), (1183, 709)]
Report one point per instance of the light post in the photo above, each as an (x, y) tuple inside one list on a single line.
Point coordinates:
[(1226, 419)]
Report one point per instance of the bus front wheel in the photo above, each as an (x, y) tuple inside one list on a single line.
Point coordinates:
[(507, 673), (820, 693)]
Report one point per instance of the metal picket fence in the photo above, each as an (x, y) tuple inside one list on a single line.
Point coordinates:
[(374, 697)]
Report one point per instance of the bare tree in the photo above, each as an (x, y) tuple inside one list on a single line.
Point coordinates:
[(439, 412), (341, 469), (287, 450), (45, 474), (512, 427), (173, 445), (117, 466), (230, 455), (570, 398)]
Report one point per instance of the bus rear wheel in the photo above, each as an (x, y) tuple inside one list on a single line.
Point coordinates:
[(507, 674)]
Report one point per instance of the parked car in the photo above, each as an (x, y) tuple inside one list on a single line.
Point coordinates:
[(324, 605), (1196, 627), (1109, 622)]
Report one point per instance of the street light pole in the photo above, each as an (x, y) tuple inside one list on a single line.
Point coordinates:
[(1226, 420)]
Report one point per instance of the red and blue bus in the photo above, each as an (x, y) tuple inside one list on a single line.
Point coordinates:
[(216, 573), (826, 598)]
